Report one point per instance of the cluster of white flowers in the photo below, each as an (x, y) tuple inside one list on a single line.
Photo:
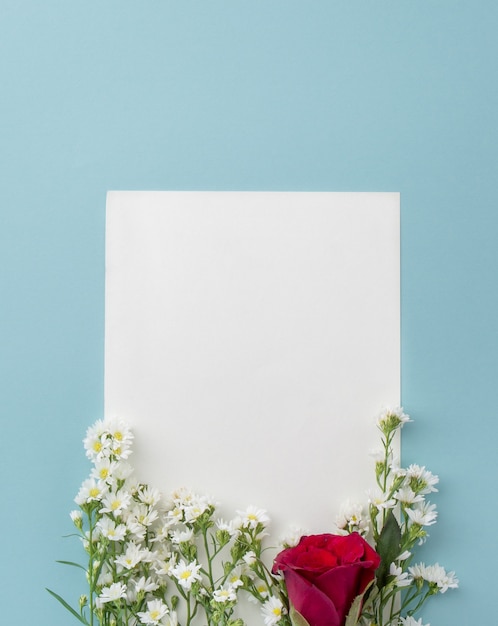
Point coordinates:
[(175, 562), (154, 562), (397, 521)]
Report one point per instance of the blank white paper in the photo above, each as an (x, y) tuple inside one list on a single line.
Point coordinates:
[(250, 340)]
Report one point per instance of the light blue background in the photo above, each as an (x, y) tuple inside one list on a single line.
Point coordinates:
[(332, 95)]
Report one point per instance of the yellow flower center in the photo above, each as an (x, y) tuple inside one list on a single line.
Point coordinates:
[(186, 574), (94, 492), (97, 446)]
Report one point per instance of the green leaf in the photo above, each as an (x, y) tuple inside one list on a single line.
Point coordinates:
[(68, 607), (388, 547), (296, 618), (355, 610), (73, 564)]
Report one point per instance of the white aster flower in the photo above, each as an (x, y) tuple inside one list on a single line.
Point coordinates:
[(103, 469), (249, 558), (272, 611), (121, 437), (131, 556), (182, 497), (186, 573), (142, 514), (105, 578), (252, 516), (226, 593), (230, 527), (90, 491), (149, 495), (425, 515), (435, 575), (379, 500), (292, 536), (181, 536), (77, 518), (95, 442), (122, 471), (108, 528), (405, 495), (145, 584), (171, 619), (401, 578), (390, 419), (113, 592), (352, 518), (156, 610), (421, 480), (411, 621), (234, 578), (116, 502), (191, 513)]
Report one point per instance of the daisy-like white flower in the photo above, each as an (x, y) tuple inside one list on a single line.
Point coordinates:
[(77, 519), (186, 573), (421, 480), (181, 536), (234, 578), (249, 558), (130, 557), (252, 516), (379, 500), (171, 619), (121, 437), (91, 490), (156, 610), (390, 419), (195, 510), (103, 469), (406, 495), (292, 536), (411, 621), (182, 497), (122, 471), (95, 442), (230, 527), (143, 514), (352, 518), (435, 575), (109, 529), (113, 592), (401, 578), (149, 495), (116, 502), (425, 515), (272, 611), (226, 593)]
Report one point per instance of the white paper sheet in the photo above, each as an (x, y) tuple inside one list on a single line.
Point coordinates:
[(250, 340)]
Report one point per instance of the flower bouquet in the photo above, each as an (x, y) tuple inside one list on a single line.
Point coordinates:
[(174, 562)]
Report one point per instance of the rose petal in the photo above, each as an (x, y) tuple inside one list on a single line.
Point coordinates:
[(313, 604)]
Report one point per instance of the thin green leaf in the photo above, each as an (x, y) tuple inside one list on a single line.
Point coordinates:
[(355, 610), (68, 607), (73, 564), (388, 547), (296, 618)]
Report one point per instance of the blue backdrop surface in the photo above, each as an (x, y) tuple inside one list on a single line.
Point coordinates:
[(237, 95)]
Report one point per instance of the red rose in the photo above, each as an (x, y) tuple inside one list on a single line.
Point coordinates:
[(325, 573)]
